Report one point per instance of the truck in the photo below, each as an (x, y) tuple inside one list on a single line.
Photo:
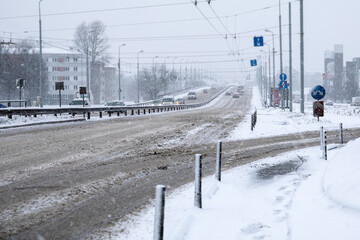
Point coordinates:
[(355, 101)]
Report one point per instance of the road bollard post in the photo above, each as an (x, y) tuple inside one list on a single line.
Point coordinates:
[(159, 213), (218, 161), (198, 200)]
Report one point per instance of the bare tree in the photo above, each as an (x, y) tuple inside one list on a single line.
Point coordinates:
[(91, 39)]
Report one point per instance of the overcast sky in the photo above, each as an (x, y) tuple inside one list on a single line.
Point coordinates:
[(158, 27)]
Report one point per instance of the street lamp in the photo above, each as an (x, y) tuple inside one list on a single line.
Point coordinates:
[(122, 45), (265, 81), (269, 85), (273, 100), (138, 86), (40, 60)]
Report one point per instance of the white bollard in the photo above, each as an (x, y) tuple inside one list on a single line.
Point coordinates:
[(159, 213), (198, 200)]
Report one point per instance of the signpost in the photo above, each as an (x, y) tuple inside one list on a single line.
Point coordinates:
[(20, 83), (59, 86), (253, 63), (258, 41), (318, 92), (83, 92)]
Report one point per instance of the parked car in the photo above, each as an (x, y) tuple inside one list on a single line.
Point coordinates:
[(205, 90), (115, 103), (180, 101), (2, 106), (191, 96), (80, 102), (168, 100), (235, 95)]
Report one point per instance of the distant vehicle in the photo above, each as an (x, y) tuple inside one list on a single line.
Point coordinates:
[(115, 103), (180, 101), (213, 86), (240, 90), (235, 95), (191, 96), (205, 90), (156, 102), (355, 101), (2, 106), (329, 103), (168, 100), (79, 102), (228, 93)]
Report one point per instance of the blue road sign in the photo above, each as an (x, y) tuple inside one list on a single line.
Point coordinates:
[(283, 84), (253, 62), (258, 41), (318, 92), (283, 77)]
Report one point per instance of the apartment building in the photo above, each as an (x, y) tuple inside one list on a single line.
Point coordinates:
[(64, 66)]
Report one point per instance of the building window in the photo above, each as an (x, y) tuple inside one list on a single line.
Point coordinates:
[(76, 78), (54, 59), (75, 69), (75, 87), (67, 59), (67, 87), (75, 59)]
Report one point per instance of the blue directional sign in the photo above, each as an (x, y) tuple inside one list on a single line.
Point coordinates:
[(318, 92), (283, 77), (283, 84), (253, 62), (258, 41)]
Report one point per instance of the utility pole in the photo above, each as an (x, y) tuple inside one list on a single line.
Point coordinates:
[(138, 86), (40, 60), (302, 104), (120, 72), (290, 60), (281, 60)]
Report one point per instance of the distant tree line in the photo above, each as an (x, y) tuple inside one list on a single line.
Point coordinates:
[(20, 60)]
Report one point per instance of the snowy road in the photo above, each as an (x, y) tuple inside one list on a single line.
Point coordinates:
[(71, 180)]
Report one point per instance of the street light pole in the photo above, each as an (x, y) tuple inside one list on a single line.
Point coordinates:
[(138, 86), (40, 60), (269, 85), (273, 101), (120, 72), (302, 107), (266, 77)]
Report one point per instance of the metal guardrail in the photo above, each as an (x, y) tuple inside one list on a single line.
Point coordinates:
[(86, 111)]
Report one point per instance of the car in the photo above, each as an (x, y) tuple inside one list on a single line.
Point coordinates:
[(213, 87), (2, 106), (205, 90), (180, 101), (157, 102), (167, 100), (79, 102), (329, 103), (115, 103), (191, 96), (236, 95), (228, 93)]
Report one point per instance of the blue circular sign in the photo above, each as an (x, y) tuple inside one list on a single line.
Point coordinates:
[(318, 92), (283, 77)]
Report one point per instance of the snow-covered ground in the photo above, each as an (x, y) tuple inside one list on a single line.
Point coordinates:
[(318, 200)]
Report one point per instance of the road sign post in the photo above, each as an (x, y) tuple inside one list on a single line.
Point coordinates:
[(253, 62), (59, 86)]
